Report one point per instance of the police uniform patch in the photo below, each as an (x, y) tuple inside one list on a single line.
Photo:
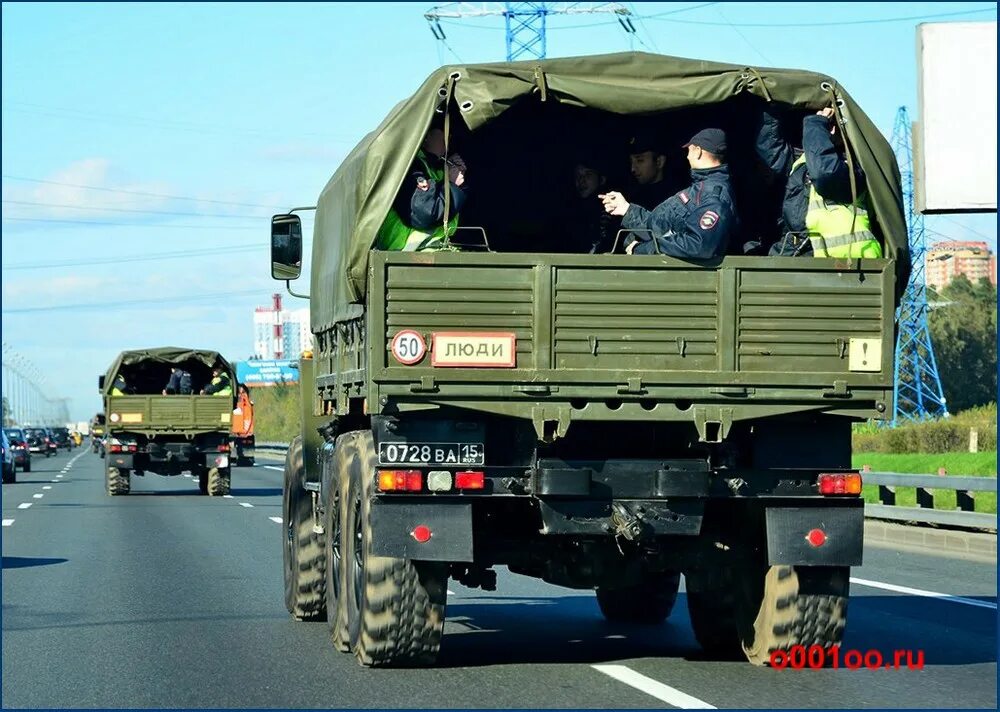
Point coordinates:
[(422, 183), (708, 220), (684, 197)]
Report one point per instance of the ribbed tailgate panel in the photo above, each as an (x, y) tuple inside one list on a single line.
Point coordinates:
[(169, 410), (635, 319), (475, 299), (808, 316)]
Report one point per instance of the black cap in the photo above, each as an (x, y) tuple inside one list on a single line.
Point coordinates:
[(643, 141), (712, 140)]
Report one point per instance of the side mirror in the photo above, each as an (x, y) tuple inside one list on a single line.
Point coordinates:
[(286, 246), (100, 383)]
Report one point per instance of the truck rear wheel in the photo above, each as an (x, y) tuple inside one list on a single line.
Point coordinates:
[(27, 466), (336, 610), (395, 607), (119, 481), (218, 481), (649, 602), (713, 619), (201, 472), (305, 575), (799, 605)]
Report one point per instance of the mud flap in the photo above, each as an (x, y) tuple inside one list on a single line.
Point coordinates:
[(422, 531), (816, 536)]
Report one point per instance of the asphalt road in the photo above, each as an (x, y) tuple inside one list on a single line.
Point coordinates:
[(168, 599)]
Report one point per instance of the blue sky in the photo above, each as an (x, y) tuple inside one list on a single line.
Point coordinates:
[(196, 122)]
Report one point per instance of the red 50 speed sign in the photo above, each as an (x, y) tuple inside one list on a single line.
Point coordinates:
[(408, 347)]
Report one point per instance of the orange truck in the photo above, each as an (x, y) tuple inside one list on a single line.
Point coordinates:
[(242, 429)]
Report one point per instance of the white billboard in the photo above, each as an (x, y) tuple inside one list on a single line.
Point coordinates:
[(955, 139)]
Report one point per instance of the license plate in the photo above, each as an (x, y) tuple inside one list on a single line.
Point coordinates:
[(431, 453)]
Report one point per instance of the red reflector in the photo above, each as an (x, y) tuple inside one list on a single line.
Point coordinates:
[(400, 480), (223, 448), (422, 534), (470, 480), (840, 484), (816, 537)]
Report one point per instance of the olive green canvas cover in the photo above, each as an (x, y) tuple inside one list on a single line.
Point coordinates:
[(167, 354), (355, 201)]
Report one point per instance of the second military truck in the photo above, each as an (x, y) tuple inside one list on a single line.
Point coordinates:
[(167, 434), (600, 421)]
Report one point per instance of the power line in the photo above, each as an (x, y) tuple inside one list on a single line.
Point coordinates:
[(149, 257), (830, 23), (966, 227), (141, 192), (120, 224), (161, 301), (127, 210)]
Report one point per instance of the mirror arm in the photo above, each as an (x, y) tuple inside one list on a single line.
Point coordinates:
[(288, 286)]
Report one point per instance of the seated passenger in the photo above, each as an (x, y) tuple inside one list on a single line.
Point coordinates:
[(220, 384), (590, 228), (697, 222), (415, 221), (119, 387), (647, 161), (819, 214), (179, 383)]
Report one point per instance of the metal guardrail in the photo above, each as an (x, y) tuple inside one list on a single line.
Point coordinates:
[(924, 513)]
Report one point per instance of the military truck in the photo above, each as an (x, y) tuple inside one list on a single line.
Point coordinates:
[(600, 421), (148, 431)]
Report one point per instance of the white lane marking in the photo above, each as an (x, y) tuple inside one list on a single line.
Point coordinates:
[(47, 487), (450, 592), (8, 522), (187, 474), (53, 480), (666, 693), (38, 496), (276, 520), (245, 504), (24, 505), (274, 467), (227, 496), (927, 594), (59, 477)]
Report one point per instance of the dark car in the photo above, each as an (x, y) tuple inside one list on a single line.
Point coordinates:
[(19, 445), (38, 441), (62, 438), (9, 469)]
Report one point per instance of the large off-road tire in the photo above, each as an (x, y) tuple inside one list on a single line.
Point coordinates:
[(10, 477), (336, 611), (219, 479), (713, 619), (799, 605), (395, 607), (649, 602), (27, 466), (303, 549), (119, 481)]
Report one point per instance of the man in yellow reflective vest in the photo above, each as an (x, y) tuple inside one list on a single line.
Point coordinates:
[(220, 384), (118, 386), (821, 215), (415, 222)]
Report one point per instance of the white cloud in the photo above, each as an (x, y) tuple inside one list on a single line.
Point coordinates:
[(60, 198)]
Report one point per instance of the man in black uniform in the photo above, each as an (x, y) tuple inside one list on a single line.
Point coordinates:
[(179, 383), (697, 222), (647, 161), (591, 229)]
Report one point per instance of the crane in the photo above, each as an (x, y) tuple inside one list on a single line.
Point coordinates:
[(525, 21)]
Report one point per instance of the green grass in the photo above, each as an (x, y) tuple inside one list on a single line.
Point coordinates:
[(978, 464), (276, 413)]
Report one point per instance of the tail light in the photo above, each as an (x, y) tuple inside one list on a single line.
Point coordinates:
[(470, 480), (840, 484), (400, 480), (223, 448), (116, 445)]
